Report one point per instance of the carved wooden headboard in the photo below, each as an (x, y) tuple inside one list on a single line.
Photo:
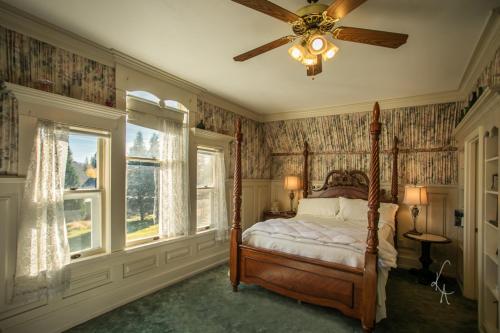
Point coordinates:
[(347, 184), (352, 184)]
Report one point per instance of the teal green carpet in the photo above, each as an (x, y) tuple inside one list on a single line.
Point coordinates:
[(205, 303)]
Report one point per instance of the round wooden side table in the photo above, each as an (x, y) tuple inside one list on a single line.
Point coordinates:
[(425, 276)]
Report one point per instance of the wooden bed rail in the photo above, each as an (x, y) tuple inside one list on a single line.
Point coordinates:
[(235, 240)]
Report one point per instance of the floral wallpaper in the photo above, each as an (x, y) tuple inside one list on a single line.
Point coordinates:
[(428, 154), (256, 157), (33, 63), (9, 132)]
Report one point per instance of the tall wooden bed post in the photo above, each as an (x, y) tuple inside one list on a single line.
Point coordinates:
[(305, 170), (370, 270), (394, 183), (234, 264)]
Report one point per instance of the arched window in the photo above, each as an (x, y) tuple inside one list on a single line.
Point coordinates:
[(144, 95)]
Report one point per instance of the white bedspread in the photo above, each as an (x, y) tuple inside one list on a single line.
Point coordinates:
[(328, 239)]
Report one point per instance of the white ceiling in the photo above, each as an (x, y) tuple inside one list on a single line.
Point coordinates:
[(197, 39)]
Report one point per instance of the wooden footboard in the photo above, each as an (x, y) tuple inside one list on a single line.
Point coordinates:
[(309, 280)]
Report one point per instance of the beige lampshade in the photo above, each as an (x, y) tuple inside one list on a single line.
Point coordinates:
[(292, 183), (415, 195)]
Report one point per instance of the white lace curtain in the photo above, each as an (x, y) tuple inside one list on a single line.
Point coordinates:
[(173, 192), (9, 132), (42, 247), (220, 208)]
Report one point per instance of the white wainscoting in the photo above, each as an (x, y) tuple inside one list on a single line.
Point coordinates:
[(103, 282), (256, 195), (440, 220)]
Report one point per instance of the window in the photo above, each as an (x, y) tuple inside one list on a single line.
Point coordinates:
[(157, 179), (142, 182), (205, 188), (83, 191)]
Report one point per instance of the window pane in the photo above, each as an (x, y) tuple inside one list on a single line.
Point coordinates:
[(82, 162), (142, 190), (142, 141), (78, 216), (205, 169), (175, 105), (204, 206), (144, 95)]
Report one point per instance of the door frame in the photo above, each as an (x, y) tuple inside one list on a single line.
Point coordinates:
[(473, 210)]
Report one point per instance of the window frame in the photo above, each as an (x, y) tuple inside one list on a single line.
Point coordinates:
[(97, 195), (212, 189), (160, 110)]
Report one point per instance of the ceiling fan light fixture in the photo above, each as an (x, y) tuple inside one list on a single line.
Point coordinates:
[(330, 52), (317, 44), (297, 52), (310, 60)]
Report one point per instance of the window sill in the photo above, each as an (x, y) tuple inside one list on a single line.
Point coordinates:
[(204, 230), (90, 257), (136, 248), (165, 241)]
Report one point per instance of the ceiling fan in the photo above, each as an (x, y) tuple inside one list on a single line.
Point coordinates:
[(311, 25)]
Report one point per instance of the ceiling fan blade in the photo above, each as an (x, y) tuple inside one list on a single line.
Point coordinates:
[(373, 37), (270, 9), (264, 48), (340, 8)]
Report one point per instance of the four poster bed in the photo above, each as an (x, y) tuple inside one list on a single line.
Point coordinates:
[(348, 282)]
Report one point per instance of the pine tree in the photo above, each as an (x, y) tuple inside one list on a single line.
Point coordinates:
[(141, 181), (71, 177), (154, 146), (138, 149)]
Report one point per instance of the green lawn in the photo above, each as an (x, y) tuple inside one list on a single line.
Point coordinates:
[(79, 232)]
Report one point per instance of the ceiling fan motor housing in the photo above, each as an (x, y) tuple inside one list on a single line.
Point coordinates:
[(312, 17)]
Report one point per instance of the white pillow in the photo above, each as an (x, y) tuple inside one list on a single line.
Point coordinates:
[(327, 207), (357, 209), (387, 213), (353, 209)]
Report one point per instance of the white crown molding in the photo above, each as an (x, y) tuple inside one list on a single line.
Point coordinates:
[(27, 24), (209, 135), (36, 96), (202, 93), (489, 100), (133, 63), (385, 104), (230, 106), (483, 53)]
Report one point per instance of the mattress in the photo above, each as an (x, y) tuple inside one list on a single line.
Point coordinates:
[(328, 239)]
